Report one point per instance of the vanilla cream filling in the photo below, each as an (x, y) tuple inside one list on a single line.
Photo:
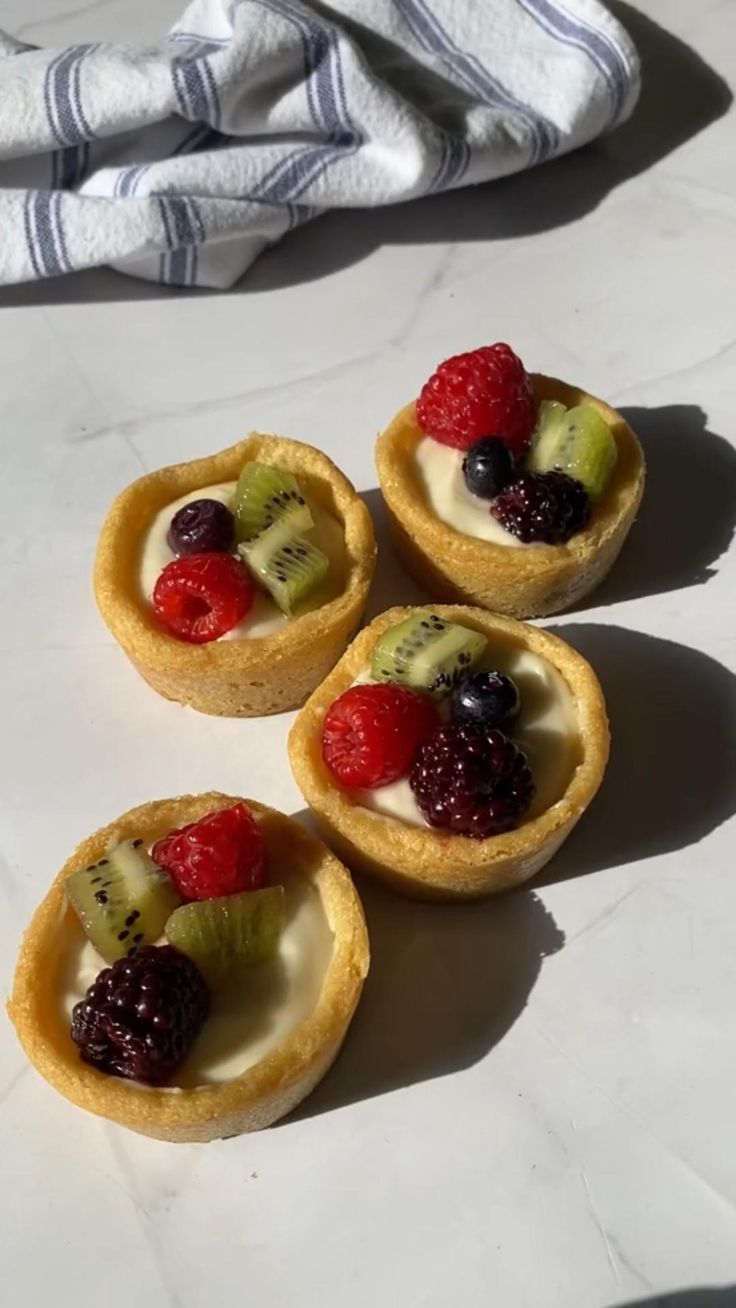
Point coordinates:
[(546, 730), (251, 1016), (440, 471), (264, 617)]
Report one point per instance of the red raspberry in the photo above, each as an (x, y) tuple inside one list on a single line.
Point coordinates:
[(219, 855), (483, 393), (371, 734), (202, 596)]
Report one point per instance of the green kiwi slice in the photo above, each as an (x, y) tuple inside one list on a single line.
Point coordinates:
[(549, 414), (123, 901), (288, 566), (264, 494), (224, 935), (576, 441), (426, 653)]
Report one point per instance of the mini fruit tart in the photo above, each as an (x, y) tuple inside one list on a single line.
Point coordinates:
[(451, 751), (511, 491), (193, 969), (233, 583)]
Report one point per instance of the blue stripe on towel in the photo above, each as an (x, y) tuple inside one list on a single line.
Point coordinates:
[(201, 237), (164, 259), (608, 59), (202, 137), (316, 48), (49, 96), (69, 166), (82, 123), (468, 69), (326, 99), (328, 107), (215, 42), (214, 95), (40, 220), (62, 97), (300, 213), (191, 92), (194, 84), (295, 174), (453, 163), (58, 220), (44, 231), (30, 238), (127, 178), (183, 238), (183, 232)]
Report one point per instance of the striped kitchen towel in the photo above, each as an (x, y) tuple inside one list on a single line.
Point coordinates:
[(179, 162)]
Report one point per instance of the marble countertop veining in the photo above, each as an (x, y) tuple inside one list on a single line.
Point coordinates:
[(535, 1105)]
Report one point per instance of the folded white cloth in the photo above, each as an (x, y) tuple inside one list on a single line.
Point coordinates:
[(179, 162)]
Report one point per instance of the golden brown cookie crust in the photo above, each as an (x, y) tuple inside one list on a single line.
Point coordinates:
[(524, 583), (420, 861), (236, 678), (265, 1092)]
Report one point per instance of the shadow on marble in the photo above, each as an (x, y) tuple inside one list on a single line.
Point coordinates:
[(446, 983), (681, 95), (678, 535), (391, 583), (723, 1297), (672, 776)]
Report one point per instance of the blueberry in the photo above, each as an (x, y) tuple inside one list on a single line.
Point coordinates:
[(485, 699), (202, 527), (488, 466)]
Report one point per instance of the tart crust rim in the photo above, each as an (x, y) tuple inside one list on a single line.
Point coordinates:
[(255, 675), (264, 1092), (407, 856), (471, 570)]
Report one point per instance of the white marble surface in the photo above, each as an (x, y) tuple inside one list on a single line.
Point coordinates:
[(535, 1107)]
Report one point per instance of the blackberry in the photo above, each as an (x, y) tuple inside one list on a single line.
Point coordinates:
[(485, 699), (202, 527), (488, 466), (543, 506), (470, 781), (140, 1017)]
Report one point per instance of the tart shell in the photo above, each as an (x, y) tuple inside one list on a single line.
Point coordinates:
[(236, 678), (527, 582), (421, 861), (262, 1094)]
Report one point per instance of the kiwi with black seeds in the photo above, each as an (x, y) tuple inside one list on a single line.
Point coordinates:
[(262, 496), (426, 653), (288, 566), (577, 442), (124, 901)]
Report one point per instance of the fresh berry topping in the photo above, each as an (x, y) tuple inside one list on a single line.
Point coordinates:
[(202, 527), (485, 699), (543, 506), (140, 1017), (576, 441), (219, 855), (372, 733), (488, 466), (483, 393), (473, 782), (202, 597)]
